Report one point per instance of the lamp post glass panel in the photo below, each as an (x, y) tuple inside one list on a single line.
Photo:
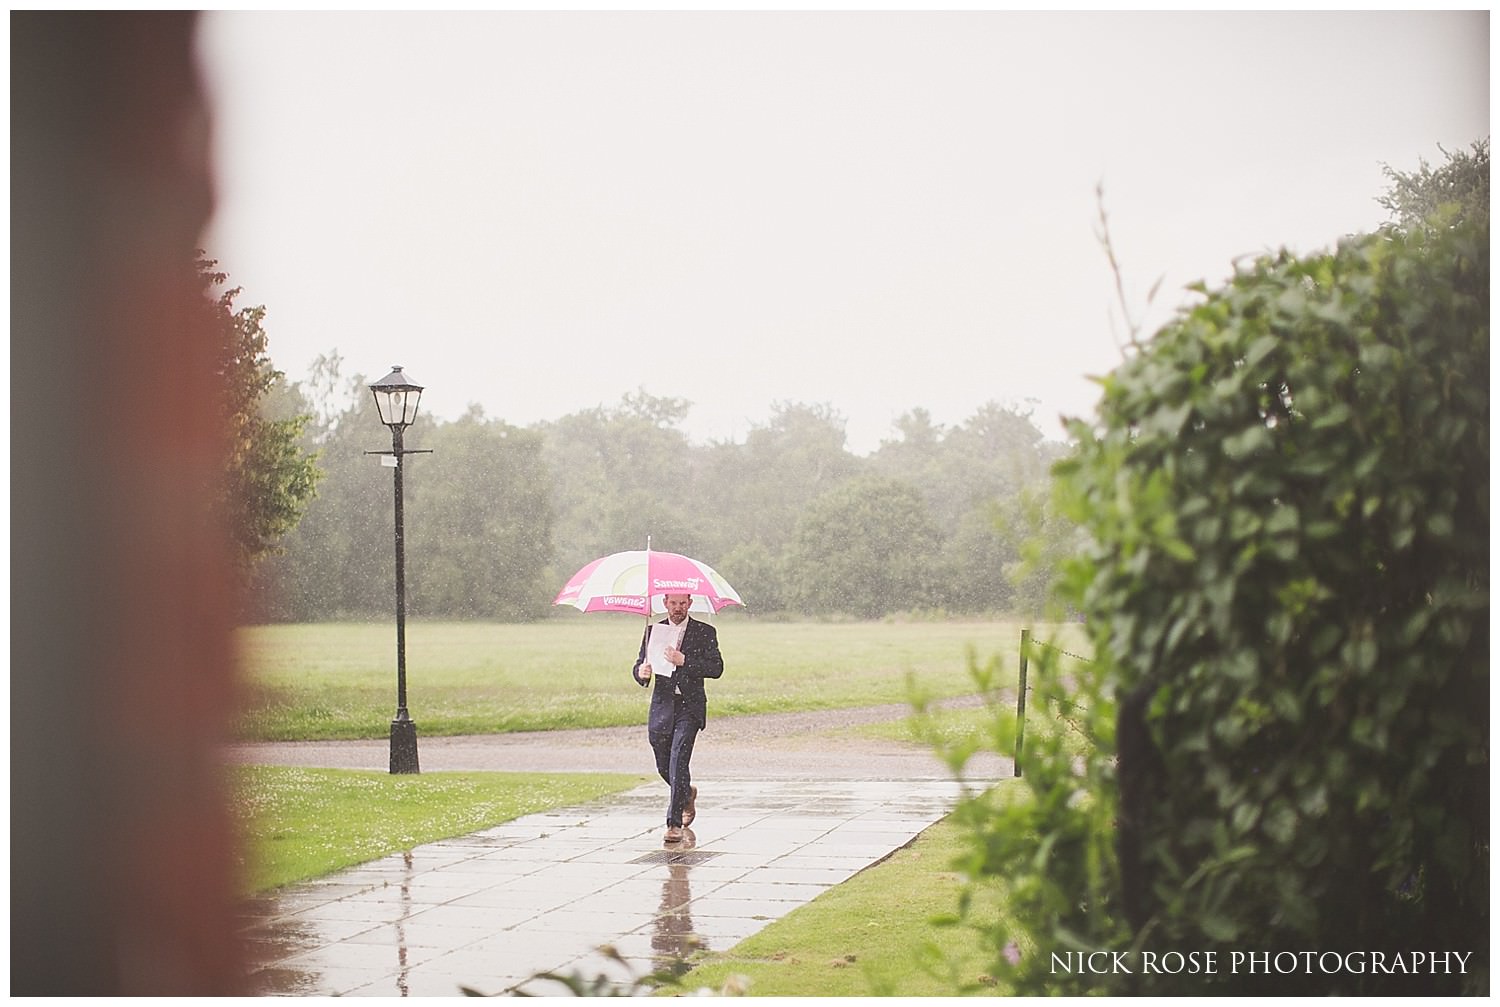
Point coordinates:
[(396, 399)]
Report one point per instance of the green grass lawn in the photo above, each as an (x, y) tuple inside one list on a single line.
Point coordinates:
[(297, 824), (337, 680), (947, 727), (872, 935)]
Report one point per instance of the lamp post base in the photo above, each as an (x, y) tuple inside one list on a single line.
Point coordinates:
[(404, 746)]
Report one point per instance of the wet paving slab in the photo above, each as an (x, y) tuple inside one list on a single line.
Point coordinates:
[(488, 912)]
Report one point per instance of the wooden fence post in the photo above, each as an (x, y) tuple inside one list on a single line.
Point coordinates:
[(1021, 698)]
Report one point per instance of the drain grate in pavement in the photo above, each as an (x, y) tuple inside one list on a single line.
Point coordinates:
[(688, 857)]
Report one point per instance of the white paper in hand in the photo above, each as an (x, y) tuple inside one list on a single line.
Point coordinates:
[(663, 636)]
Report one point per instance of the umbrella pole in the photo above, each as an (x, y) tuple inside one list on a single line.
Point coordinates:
[(648, 583)]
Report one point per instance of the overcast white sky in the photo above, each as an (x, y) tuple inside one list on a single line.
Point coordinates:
[(539, 212)]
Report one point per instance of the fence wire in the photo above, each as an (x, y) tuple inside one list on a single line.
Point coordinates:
[(1066, 653), (1066, 706)]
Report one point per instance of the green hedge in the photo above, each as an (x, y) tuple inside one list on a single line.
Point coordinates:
[(1287, 494)]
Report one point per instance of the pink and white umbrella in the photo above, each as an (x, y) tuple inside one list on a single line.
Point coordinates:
[(629, 581)]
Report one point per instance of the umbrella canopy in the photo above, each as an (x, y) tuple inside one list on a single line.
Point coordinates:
[(622, 582)]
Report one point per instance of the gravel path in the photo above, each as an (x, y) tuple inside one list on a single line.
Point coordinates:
[(810, 745)]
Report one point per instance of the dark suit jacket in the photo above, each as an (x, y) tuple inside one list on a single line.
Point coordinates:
[(701, 659)]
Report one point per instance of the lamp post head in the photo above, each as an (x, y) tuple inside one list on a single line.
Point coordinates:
[(396, 399)]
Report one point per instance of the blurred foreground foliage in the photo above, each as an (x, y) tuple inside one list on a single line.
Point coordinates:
[(1287, 589)]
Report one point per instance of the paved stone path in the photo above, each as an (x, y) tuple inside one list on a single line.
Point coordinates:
[(786, 811)]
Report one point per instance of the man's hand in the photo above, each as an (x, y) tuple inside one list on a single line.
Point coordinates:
[(675, 656), (643, 673)]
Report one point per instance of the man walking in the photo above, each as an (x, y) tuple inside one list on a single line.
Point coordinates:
[(679, 706)]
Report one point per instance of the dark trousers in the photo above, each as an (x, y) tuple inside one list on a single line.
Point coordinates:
[(674, 751)]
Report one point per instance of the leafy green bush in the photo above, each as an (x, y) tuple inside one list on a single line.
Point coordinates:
[(1287, 493)]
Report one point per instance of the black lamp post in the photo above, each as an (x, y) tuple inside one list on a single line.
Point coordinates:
[(396, 400)]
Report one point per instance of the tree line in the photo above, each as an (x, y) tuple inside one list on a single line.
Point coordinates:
[(499, 516)]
